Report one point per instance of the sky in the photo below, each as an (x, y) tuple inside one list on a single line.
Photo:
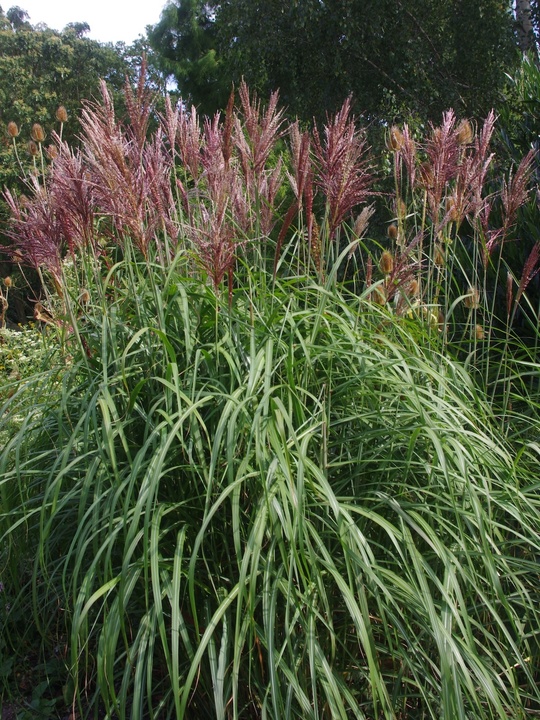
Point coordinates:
[(109, 20)]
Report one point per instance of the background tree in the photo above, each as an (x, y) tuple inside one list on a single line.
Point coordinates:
[(78, 28), (40, 70), (396, 57), (18, 17), (527, 24), (185, 41)]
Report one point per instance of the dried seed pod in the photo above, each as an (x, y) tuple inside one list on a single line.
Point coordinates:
[(392, 231), (400, 207), (378, 295), (38, 134), (386, 263), (33, 148), (61, 114), (451, 209), (12, 129), (425, 172), (413, 288), (465, 133), (8, 282), (479, 333), (395, 140), (438, 256), (472, 299), (52, 152)]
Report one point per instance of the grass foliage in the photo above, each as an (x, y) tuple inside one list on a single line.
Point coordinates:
[(278, 496)]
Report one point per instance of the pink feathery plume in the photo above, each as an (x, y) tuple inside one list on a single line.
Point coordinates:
[(530, 269), (343, 173)]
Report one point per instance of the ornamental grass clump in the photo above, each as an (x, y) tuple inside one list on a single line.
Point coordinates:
[(256, 493), (453, 221)]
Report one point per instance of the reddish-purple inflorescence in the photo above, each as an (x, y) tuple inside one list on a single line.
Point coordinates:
[(343, 173)]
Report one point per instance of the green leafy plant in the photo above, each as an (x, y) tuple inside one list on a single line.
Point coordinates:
[(270, 482)]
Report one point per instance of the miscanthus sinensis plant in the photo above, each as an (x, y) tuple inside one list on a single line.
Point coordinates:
[(268, 486)]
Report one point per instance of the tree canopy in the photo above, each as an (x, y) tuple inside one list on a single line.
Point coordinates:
[(40, 70), (395, 57), (186, 42)]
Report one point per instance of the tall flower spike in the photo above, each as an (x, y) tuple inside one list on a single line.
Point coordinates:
[(343, 171), (530, 269), (443, 153), (213, 238), (139, 106), (509, 292), (479, 165), (407, 152), (189, 141), (169, 123), (301, 162), (35, 230), (301, 181), (130, 175), (263, 129), (515, 192), (362, 221), (70, 189), (226, 138), (269, 184), (212, 157)]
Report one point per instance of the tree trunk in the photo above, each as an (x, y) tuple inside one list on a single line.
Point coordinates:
[(524, 24)]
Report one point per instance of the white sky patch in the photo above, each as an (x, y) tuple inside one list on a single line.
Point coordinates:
[(109, 20)]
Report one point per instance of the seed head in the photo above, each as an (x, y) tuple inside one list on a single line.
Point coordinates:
[(479, 333), (451, 209), (13, 129), (392, 231), (464, 133), (38, 134), (438, 256), (395, 141), (52, 152), (413, 288), (61, 114), (386, 263), (33, 148), (8, 282), (472, 299), (425, 172), (378, 295), (362, 221)]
